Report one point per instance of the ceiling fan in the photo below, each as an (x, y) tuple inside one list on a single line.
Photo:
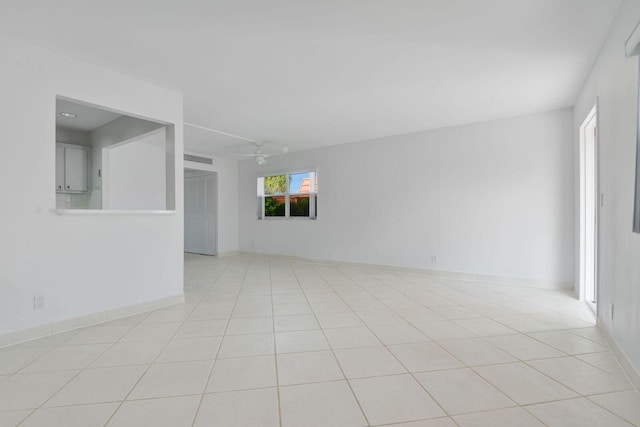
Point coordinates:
[(260, 154)]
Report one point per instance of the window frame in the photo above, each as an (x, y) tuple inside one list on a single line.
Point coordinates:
[(287, 210)]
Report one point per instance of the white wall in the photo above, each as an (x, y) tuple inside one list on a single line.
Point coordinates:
[(114, 132), (613, 83), (491, 198), (227, 170), (82, 264), (69, 136), (134, 173)]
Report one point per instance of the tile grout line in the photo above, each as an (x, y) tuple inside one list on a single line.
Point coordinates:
[(372, 287), (275, 350), (248, 266), (368, 326), (607, 409), (398, 360), (144, 373), (345, 379), (526, 362), (466, 365), (80, 371)]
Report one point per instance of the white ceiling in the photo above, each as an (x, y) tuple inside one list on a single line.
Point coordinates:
[(310, 73), (87, 118)]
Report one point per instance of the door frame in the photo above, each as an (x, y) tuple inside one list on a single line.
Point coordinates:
[(204, 172), (583, 198)]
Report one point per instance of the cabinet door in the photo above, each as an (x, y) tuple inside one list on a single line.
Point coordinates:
[(76, 162), (59, 168)]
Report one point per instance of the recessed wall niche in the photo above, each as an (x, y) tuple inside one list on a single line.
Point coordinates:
[(108, 160)]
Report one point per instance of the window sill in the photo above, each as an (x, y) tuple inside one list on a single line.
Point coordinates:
[(106, 212), (284, 218)]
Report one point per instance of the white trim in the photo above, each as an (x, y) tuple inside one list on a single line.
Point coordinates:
[(287, 196), (53, 328), (632, 372), (227, 254), (487, 278), (288, 218), (288, 172), (636, 191), (582, 255)]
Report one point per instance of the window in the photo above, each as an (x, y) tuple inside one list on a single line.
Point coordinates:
[(275, 197), (290, 195)]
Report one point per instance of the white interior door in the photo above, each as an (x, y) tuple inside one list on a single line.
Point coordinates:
[(200, 214)]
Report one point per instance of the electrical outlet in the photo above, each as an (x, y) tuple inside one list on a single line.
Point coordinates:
[(434, 259), (38, 302)]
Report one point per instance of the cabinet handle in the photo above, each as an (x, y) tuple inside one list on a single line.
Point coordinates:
[(67, 187)]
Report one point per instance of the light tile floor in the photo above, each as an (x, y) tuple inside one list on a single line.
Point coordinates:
[(263, 342)]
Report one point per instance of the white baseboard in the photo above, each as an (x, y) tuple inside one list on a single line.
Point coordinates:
[(45, 330), (623, 360), (228, 253), (495, 280), (217, 254)]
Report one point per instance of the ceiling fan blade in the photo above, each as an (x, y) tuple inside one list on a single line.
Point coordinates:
[(259, 153), (244, 154)]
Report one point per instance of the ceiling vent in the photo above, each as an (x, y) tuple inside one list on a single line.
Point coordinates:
[(198, 158)]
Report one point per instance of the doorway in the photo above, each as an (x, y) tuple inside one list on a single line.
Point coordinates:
[(200, 212), (589, 210)]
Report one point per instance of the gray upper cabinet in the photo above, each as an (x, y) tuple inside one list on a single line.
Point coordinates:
[(72, 168), (59, 167)]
